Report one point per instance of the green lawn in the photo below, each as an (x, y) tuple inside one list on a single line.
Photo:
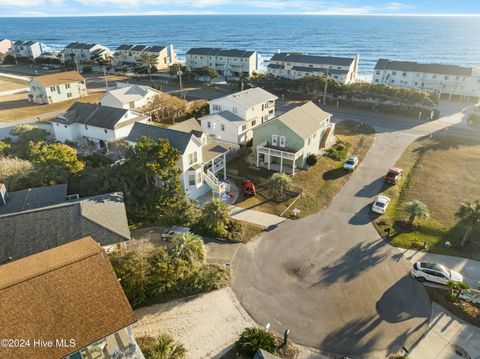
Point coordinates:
[(442, 175), (320, 183)]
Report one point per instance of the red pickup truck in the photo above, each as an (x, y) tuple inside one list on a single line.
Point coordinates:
[(393, 175)]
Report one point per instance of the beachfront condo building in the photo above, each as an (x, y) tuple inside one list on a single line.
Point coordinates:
[(448, 81), (135, 56), (297, 65), (86, 52), (228, 63), (30, 49)]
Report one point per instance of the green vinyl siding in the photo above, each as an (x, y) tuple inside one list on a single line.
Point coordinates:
[(264, 133)]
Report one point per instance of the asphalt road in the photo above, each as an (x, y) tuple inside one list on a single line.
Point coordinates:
[(329, 278)]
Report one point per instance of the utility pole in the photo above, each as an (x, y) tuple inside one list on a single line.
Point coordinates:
[(180, 73), (325, 89), (106, 78)]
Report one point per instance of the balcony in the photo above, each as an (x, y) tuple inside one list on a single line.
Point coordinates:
[(270, 151)]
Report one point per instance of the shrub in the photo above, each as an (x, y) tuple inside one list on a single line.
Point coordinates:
[(87, 69), (253, 339), (339, 151), (312, 159), (161, 347)]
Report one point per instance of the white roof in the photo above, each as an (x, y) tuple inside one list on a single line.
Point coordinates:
[(131, 93), (226, 116), (248, 98)]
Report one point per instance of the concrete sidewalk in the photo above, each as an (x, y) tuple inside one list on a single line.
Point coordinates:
[(469, 268), (446, 335), (255, 217)]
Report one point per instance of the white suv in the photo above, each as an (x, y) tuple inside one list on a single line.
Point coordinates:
[(435, 272)]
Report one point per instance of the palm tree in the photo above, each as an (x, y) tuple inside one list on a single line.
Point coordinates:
[(280, 182), (216, 216), (415, 209), (189, 248), (455, 289), (149, 62), (469, 214), (163, 347)]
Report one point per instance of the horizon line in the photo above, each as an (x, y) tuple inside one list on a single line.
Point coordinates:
[(241, 14)]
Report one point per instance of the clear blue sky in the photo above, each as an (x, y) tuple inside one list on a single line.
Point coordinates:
[(173, 7)]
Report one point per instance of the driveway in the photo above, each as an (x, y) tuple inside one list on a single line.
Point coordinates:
[(329, 278)]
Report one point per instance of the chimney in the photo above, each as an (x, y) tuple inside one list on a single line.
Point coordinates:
[(3, 195)]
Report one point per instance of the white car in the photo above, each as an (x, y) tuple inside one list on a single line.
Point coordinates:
[(351, 163), (380, 205), (175, 231), (435, 272)]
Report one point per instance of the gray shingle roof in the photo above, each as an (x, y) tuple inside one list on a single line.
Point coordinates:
[(177, 139), (211, 51), (154, 48), (304, 120), (33, 198), (312, 59), (410, 66), (28, 232), (124, 47), (203, 51), (92, 114)]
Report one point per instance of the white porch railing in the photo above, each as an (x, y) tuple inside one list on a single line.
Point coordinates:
[(218, 187)]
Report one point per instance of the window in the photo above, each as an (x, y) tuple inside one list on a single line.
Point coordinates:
[(217, 108), (376, 80), (52, 88), (192, 158), (223, 127), (244, 127), (309, 140), (209, 125), (131, 104), (274, 140), (69, 94), (282, 141), (191, 180), (234, 110), (434, 76), (86, 127), (254, 122), (447, 77), (394, 73), (404, 74), (58, 89), (199, 177), (378, 72), (67, 86)]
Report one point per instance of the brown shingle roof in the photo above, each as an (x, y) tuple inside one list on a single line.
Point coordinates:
[(59, 78), (67, 292)]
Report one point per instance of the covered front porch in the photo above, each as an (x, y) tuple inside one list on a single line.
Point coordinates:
[(277, 159)]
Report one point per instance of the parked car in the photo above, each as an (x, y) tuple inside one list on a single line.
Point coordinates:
[(393, 175), (380, 205), (351, 163), (470, 295), (435, 272), (174, 231)]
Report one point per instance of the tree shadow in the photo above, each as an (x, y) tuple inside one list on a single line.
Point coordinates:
[(398, 304), (356, 260), (334, 174), (9, 105), (405, 300)]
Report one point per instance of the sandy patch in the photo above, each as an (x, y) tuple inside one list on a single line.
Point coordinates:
[(205, 324)]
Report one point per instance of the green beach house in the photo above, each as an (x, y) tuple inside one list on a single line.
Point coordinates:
[(284, 143)]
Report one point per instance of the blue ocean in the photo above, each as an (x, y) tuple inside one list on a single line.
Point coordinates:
[(453, 40)]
